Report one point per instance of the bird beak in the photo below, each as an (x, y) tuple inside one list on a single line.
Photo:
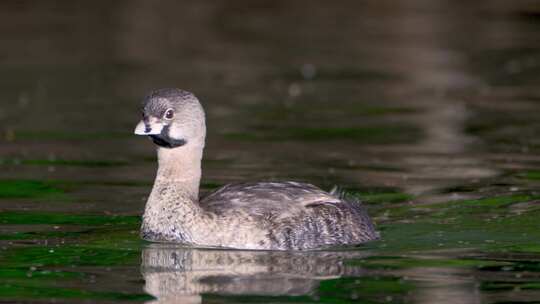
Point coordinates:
[(148, 128)]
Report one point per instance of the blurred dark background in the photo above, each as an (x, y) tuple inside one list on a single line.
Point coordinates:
[(405, 85)]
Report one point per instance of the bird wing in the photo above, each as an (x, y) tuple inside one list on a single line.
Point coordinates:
[(264, 197)]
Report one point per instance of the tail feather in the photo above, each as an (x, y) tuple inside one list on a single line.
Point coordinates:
[(343, 194), (338, 192)]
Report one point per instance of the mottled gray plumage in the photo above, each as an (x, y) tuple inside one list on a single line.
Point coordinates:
[(263, 215), (295, 215)]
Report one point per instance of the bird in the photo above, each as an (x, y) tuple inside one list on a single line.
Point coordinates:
[(265, 215)]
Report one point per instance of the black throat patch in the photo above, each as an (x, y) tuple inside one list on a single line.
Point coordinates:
[(165, 141)]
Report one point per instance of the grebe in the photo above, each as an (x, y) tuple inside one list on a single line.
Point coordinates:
[(253, 215)]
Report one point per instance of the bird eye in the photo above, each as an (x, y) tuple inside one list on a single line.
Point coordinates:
[(169, 114)]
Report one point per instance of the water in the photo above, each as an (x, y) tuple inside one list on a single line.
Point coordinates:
[(427, 110)]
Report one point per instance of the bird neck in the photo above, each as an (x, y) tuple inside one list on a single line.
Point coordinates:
[(172, 212), (181, 168)]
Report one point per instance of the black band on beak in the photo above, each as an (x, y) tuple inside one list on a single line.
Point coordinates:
[(147, 128)]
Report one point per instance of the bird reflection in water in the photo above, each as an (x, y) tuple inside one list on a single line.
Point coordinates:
[(180, 275)]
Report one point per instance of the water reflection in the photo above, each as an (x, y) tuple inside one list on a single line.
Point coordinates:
[(181, 275)]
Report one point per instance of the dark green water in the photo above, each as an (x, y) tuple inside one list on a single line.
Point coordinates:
[(429, 111)]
